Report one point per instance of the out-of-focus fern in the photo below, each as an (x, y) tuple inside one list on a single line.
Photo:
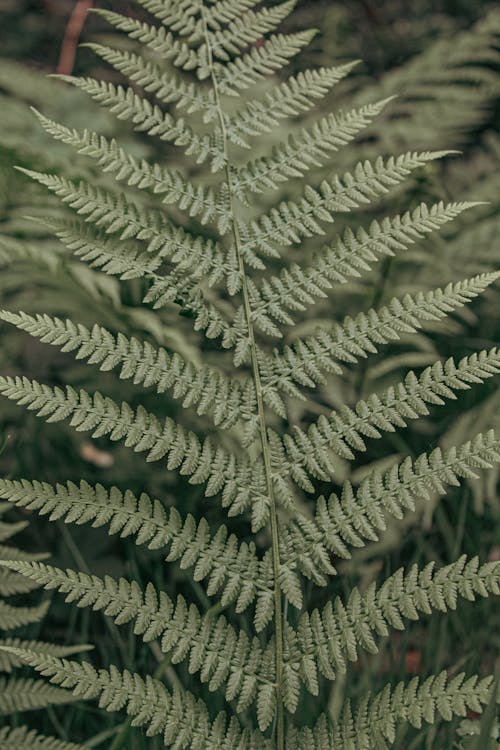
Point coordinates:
[(18, 693), (223, 282)]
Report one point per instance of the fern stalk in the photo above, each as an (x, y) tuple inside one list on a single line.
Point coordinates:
[(266, 453)]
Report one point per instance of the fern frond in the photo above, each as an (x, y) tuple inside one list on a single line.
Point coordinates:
[(306, 360), (228, 400), (148, 118), (158, 39), (307, 149), (231, 569), (246, 70), (114, 214), (110, 212), (123, 259), (17, 251), (328, 637), (103, 416), (298, 94), (360, 515), (8, 660), (244, 31), (351, 256), (23, 738), (302, 551), (172, 12), (181, 719), (16, 617), (12, 584), (13, 553), (167, 88), (242, 664), (291, 222), (116, 258), (227, 46), (184, 18), (242, 483), (376, 719), (225, 11), (19, 694), (171, 184), (347, 428)]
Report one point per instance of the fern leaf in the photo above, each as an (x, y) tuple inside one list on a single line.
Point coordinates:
[(119, 258), (376, 719), (333, 635), (225, 11), (13, 553), (17, 251), (307, 359), (244, 31), (12, 584), (242, 482), (303, 550), (23, 738), (231, 569), (163, 42), (115, 215), (112, 213), (8, 660), (184, 21), (232, 45), (291, 222), (116, 258), (179, 16), (296, 95), (360, 515), (183, 631), (168, 89), (148, 118), (18, 694), (306, 150), (16, 617), (248, 69), (350, 257), (204, 387), (181, 719), (172, 12), (104, 417), (407, 400), (196, 201)]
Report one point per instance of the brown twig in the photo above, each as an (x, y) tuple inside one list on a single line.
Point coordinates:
[(72, 35)]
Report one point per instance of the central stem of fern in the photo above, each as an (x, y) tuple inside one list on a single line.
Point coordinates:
[(266, 453)]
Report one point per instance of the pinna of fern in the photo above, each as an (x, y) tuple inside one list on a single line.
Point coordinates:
[(225, 285)]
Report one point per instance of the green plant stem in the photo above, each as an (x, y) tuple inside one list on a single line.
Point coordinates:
[(266, 454)]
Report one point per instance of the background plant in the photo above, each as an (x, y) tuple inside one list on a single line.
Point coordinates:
[(19, 694)]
